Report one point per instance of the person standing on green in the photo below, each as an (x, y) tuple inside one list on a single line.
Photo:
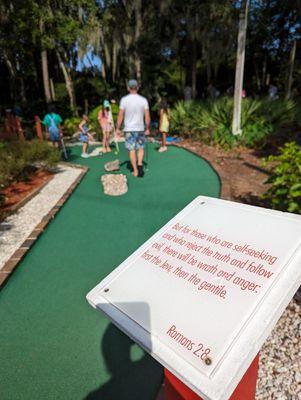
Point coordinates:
[(53, 122), (164, 123), (134, 112)]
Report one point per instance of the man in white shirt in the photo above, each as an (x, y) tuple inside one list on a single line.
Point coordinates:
[(134, 111)]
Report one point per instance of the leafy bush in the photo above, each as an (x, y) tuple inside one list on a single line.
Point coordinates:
[(256, 133), (183, 117), (278, 112), (71, 125), (93, 121), (17, 159), (212, 120), (94, 114), (285, 191)]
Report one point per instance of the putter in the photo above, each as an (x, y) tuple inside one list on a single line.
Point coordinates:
[(116, 141), (117, 146), (115, 138), (146, 155), (64, 149)]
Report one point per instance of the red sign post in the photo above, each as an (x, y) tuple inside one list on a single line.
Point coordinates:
[(174, 389)]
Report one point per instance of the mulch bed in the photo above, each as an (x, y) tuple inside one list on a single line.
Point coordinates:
[(242, 175), (18, 193)]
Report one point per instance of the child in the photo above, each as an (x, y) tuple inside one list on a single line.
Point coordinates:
[(53, 121), (85, 135), (105, 121), (164, 124)]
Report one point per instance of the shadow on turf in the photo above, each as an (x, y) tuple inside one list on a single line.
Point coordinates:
[(129, 167), (134, 374)]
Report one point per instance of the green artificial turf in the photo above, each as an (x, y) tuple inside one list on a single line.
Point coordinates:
[(53, 344)]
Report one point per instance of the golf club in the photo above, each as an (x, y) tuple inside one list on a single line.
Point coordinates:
[(64, 149)]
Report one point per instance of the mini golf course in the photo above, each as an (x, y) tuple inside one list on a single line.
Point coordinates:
[(53, 344)]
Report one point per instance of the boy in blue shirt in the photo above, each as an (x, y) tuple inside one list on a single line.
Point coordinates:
[(53, 121)]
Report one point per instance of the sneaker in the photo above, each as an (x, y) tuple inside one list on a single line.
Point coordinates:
[(140, 171), (162, 149), (85, 155)]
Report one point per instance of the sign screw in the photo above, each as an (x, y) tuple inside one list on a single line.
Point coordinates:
[(106, 290), (208, 361)]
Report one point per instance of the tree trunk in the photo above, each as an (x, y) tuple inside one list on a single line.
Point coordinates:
[(138, 30), (114, 61), (12, 74), (205, 51), (240, 61), (102, 55), (45, 71), (208, 71), (257, 79), (193, 69), (291, 70), (103, 70), (22, 90), (86, 103), (52, 89), (268, 80), (264, 72), (69, 83), (131, 65), (46, 76), (137, 65)]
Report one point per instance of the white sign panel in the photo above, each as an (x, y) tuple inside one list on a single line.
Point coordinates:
[(205, 291)]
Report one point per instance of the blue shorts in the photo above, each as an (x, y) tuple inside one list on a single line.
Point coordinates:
[(135, 140), (54, 136), (83, 138)]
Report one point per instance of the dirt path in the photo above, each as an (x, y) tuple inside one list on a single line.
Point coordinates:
[(240, 170)]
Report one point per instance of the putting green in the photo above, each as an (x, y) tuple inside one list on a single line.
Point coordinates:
[(53, 344)]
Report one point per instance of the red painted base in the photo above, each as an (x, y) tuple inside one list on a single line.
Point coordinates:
[(174, 389)]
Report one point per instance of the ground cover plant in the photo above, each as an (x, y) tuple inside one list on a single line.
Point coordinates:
[(211, 120), (285, 179), (19, 159), (71, 125)]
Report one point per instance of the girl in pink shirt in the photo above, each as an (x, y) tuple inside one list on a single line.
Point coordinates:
[(104, 119)]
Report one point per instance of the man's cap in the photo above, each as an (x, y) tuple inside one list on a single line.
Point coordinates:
[(106, 103), (132, 84)]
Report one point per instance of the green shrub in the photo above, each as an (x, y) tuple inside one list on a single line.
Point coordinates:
[(212, 120), (93, 121), (278, 112), (93, 115), (17, 159), (40, 152), (183, 117), (285, 191), (224, 138), (255, 134), (71, 125)]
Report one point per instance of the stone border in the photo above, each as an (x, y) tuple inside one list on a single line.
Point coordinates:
[(19, 254), (27, 198)]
